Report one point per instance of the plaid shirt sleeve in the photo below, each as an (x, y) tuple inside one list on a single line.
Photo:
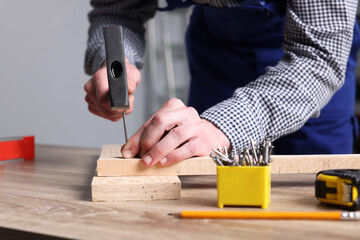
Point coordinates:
[(131, 15), (317, 42)]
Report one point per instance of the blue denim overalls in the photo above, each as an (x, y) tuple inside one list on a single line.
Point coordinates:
[(230, 47)]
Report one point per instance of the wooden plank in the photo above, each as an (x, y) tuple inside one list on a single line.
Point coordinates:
[(313, 163), (139, 188), (111, 163)]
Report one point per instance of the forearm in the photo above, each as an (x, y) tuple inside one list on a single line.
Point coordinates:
[(131, 15), (317, 41)]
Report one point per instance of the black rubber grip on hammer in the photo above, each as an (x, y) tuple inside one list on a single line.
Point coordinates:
[(116, 68)]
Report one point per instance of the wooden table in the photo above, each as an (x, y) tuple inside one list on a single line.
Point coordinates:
[(50, 197)]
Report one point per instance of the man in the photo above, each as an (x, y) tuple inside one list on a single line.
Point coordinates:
[(259, 69)]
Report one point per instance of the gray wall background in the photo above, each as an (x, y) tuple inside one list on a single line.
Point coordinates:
[(42, 46)]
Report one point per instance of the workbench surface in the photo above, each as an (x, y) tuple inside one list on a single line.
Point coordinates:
[(50, 197)]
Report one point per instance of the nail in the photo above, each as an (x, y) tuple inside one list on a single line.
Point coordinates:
[(163, 161), (147, 159), (127, 153), (256, 160)]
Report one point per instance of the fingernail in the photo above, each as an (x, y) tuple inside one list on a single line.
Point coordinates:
[(163, 161), (127, 153), (147, 159)]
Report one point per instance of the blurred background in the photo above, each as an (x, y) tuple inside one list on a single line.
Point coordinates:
[(42, 48)]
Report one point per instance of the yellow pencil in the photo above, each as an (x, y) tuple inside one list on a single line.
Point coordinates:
[(270, 215)]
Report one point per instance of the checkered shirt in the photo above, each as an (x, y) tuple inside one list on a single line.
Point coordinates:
[(317, 42)]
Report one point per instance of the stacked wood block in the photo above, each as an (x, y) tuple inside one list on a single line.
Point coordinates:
[(119, 179)]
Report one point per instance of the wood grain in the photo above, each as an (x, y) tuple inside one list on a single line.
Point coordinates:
[(137, 188), (110, 163), (313, 163), (52, 196)]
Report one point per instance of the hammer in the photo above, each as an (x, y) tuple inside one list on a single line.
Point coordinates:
[(116, 70)]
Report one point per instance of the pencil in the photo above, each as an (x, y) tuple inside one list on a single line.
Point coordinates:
[(270, 215)]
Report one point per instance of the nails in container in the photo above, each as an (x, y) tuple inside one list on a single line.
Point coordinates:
[(257, 155)]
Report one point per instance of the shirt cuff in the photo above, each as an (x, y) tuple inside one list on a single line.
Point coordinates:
[(239, 124)]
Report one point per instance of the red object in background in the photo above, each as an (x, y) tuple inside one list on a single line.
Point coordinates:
[(13, 148)]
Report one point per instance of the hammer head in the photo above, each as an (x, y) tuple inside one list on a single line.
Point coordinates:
[(116, 68)]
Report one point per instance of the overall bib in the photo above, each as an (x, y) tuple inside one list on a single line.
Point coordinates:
[(230, 47)]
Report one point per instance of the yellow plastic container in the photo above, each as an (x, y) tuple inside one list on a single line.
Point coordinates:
[(243, 186)]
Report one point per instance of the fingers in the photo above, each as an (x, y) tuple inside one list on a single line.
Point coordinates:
[(167, 123), (96, 112), (176, 140), (101, 87), (174, 133), (131, 104), (133, 77), (93, 105), (194, 147), (97, 93), (205, 137), (133, 146), (167, 131), (93, 108)]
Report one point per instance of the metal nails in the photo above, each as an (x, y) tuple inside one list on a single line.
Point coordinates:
[(125, 131), (254, 153), (256, 156), (216, 159), (223, 157), (249, 158), (265, 152)]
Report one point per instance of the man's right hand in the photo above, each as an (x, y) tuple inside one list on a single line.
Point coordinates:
[(97, 92)]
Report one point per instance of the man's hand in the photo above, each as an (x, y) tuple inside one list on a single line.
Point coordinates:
[(175, 132), (97, 92)]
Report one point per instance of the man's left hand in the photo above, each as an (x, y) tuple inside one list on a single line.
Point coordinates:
[(174, 133)]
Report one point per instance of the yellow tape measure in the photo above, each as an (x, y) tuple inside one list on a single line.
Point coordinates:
[(339, 187)]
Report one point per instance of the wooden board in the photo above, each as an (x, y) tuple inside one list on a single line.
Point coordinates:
[(139, 188), (111, 163), (313, 163)]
